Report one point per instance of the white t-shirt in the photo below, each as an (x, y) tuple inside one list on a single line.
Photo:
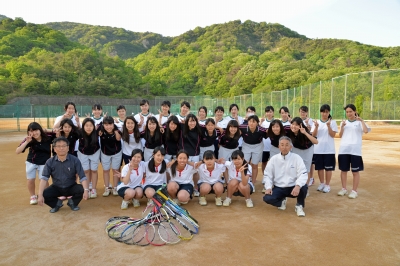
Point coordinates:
[(183, 177), (326, 144), (164, 119), (157, 178), (119, 124), (267, 141), (180, 117), (351, 141), (202, 122), (58, 120), (213, 176), (97, 120), (222, 123), (127, 148), (233, 174), (310, 123), (287, 123), (135, 176), (137, 118)]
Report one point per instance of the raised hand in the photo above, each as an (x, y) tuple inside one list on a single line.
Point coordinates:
[(343, 123), (88, 115), (329, 122), (117, 174), (316, 123), (302, 129), (77, 118), (241, 169), (29, 137), (105, 114)]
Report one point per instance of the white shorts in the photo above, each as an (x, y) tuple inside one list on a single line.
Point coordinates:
[(89, 162), (113, 161), (204, 149), (253, 152), (194, 159), (306, 155), (274, 151), (226, 153), (31, 170)]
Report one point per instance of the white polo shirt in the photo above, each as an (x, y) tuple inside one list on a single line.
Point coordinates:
[(157, 178), (326, 144), (233, 174), (211, 177), (267, 141), (351, 141), (183, 177), (135, 176)]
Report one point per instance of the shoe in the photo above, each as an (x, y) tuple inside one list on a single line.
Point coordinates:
[(249, 203), (124, 205), (321, 187), (57, 207), (196, 193), (183, 202), (218, 201), (176, 202), (106, 192), (33, 200), (93, 194), (353, 194), (327, 189), (150, 202), (254, 189), (227, 202), (308, 193), (311, 182), (299, 210), (202, 201), (72, 205), (283, 205), (263, 190), (342, 192), (115, 191), (136, 203), (90, 185)]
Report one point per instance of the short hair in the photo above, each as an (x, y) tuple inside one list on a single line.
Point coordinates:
[(108, 120), (69, 103), (60, 139), (185, 103), (204, 108), (143, 102), (252, 108), (167, 103), (120, 107), (303, 108), (269, 108), (285, 138), (97, 106), (219, 108), (285, 109), (233, 105), (253, 117), (351, 106)]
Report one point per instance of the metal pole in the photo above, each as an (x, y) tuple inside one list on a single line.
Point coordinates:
[(372, 90), (294, 97), (287, 97), (320, 92), (332, 96), (345, 92), (309, 98)]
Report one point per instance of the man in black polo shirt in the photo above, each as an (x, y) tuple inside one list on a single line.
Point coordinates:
[(63, 168)]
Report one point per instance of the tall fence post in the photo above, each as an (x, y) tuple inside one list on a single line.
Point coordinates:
[(345, 91), (18, 115), (372, 89), (320, 92)]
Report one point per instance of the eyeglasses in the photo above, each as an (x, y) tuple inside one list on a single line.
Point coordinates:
[(61, 146)]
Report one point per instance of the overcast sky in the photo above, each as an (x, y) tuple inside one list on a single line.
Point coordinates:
[(375, 22)]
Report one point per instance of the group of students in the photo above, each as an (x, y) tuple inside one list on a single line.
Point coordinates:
[(194, 155)]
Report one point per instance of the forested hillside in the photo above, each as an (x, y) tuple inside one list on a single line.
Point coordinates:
[(108, 40), (220, 60)]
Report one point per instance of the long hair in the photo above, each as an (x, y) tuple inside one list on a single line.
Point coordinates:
[(74, 129), (186, 125), (36, 126), (271, 134), (125, 132), (175, 164), (301, 138), (152, 165), (91, 139), (157, 133), (172, 135), (239, 153), (232, 123)]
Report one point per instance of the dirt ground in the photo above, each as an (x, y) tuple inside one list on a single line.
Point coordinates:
[(335, 231)]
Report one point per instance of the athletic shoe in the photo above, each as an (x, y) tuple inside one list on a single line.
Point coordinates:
[(299, 210), (254, 189), (227, 202), (321, 187), (353, 194), (136, 203), (33, 200), (263, 190), (93, 194), (311, 182), (90, 185), (327, 189), (249, 203), (202, 201), (106, 192), (115, 191), (308, 193), (176, 201), (196, 193), (342, 192), (150, 202), (183, 202), (218, 201), (124, 205), (283, 205)]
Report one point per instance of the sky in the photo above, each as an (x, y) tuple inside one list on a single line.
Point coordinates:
[(374, 22)]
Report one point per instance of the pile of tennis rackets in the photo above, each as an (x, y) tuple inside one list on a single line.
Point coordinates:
[(163, 222)]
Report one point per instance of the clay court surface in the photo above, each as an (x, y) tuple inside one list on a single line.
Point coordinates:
[(335, 231)]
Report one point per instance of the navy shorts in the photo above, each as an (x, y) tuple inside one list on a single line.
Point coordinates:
[(125, 158), (212, 185), (153, 187), (325, 162), (187, 187), (265, 156), (121, 191), (238, 193), (345, 160)]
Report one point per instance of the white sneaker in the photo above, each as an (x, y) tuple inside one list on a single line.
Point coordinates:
[(202, 201), (254, 188), (263, 190), (106, 192), (93, 194), (311, 182), (218, 201), (176, 201), (33, 200), (327, 189), (196, 193), (90, 185), (321, 187), (124, 205), (150, 202), (308, 193), (283, 205), (115, 191), (227, 202), (342, 192), (299, 210), (249, 203), (136, 203), (183, 202), (353, 194)]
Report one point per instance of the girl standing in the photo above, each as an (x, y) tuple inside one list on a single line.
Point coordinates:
[(39, 144), (285, 117), (164, 113), (152, 136), (69, 131), (269, 116), (171, 137), (130, 138), (208, 136), (275, 132), (202, 115), (229, 141), (351, 131)]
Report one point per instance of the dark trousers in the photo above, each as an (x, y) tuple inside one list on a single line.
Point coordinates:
[(52, 193), (280, 193)]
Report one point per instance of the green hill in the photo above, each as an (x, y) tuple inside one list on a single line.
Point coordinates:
[(2, 17), (109, 40)]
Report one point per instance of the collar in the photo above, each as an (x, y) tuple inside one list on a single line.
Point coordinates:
[(96, 118), (146, 114), (122, 121), (56, 157)]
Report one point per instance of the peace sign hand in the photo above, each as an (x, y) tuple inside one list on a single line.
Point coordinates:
[(77, 117), (241, 169), (329, 122), (316, 123), (105, 114), (302, 129), (29, 137)]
